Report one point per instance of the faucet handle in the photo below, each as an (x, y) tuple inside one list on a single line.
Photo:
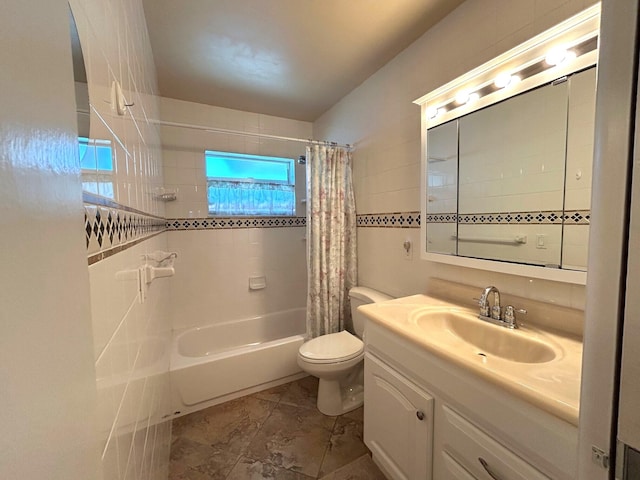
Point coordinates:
[(510, 315), (484, 306)]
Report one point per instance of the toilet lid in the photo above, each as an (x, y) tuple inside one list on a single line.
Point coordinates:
[(334, 347)]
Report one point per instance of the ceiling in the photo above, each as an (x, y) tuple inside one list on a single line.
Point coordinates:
[(288, 58)]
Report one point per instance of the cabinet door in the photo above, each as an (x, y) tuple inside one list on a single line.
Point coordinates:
[(398, 422)]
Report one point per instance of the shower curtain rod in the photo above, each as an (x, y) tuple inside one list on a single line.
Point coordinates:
[(248, 134)]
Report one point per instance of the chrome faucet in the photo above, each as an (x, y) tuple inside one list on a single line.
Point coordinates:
[(493, 313)]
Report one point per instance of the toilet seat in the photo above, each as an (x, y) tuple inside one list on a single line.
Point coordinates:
[(332, 348)]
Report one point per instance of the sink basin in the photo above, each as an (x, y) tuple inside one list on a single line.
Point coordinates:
[(449, 326)]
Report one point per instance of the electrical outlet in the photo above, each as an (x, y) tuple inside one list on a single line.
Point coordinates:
[(541, 241)]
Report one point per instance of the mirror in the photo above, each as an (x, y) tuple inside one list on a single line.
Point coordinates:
[(96, 156), (496, 186), (506, 158)]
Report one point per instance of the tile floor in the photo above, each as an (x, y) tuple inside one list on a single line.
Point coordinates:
[(274, 434)]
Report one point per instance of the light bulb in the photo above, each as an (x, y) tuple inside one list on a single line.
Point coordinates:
[(558, 56), (473, 97), (506, 80), (462, 97), (502, 80), (432, 112)]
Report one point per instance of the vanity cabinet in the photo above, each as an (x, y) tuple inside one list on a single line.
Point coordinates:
[(471, 429), (398, 419), (477, 453)]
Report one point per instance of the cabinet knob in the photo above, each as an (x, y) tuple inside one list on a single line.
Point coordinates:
[(420, 415), (487, 469)]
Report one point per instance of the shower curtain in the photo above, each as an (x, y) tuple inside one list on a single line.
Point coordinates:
[(331, 239)]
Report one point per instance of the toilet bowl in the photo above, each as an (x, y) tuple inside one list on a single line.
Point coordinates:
[(337, 359)]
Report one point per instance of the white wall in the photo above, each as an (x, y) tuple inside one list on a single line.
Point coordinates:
[(131, 338), (212, 277), (47, 376), (380, 118)]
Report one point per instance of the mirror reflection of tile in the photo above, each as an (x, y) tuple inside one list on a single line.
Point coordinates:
[(512, 181)]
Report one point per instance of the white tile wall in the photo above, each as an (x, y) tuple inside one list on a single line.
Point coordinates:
[(443, 169), (115, 46), (380, 118), (183, 149), (131, 343), (131, 339), (519, 165), (579, 166), (212, 277), (441, 238)]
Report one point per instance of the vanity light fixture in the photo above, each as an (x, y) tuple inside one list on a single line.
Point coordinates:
[(473, 97), (433, 112), (572, 43), (559, 56), (462, 97), (505, 80), (466, 97)]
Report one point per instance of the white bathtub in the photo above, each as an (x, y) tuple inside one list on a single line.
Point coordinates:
[(219, 362)]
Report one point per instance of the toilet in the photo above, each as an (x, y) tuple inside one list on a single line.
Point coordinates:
[(337, 359)]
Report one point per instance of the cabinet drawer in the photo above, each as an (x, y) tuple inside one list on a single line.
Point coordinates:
[(454, 470), (398, 422), (480, 454)]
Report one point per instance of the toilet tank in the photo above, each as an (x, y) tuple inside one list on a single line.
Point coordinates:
[(361, 296)]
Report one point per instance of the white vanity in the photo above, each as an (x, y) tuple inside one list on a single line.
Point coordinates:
[(449, 396), (505, 187)]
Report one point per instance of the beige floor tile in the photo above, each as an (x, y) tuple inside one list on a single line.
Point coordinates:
[(345, 445), (227, 427), (275, 434), (361, 469), (191, 460), (248, 469), (294, 438), (302, 393)]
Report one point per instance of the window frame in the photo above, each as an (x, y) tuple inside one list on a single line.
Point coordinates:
[(211, 155)]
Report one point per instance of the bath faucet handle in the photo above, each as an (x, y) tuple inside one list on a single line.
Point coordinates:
[(484, 306), (496, 312), (510, 315)]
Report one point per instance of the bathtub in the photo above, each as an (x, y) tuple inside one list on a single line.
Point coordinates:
[(218, 362)]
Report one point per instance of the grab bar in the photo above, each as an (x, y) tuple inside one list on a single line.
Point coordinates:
[(515, 240)]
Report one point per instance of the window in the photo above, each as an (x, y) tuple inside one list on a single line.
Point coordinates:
[(240, 184), (96, 162)]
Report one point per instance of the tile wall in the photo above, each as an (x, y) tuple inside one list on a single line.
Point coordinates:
[(380, 118), (575, 247), (218, 255), (125, 220)]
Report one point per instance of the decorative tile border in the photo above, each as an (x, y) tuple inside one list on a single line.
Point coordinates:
[(218, 223), (502, 218), (109, 230), (393, 220), (555, 217), (577, 217), (412, 219), (442, 218)]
